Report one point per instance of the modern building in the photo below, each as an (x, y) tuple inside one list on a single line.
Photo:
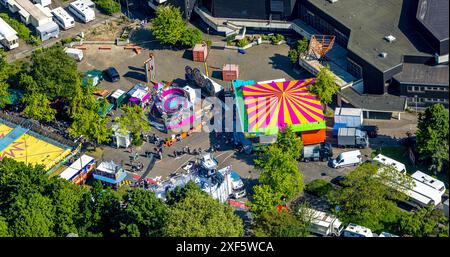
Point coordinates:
[(8, 36), (383, 48)]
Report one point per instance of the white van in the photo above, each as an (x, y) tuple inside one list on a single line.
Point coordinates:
[(351, 158), (76, 54)]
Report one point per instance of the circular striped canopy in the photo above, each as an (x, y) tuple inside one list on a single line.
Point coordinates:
[(278, 104)]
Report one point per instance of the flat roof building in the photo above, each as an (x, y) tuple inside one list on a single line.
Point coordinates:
[(379, 42)]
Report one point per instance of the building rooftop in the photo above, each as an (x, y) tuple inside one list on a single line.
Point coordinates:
[(433, 14), (381, 103), (6, 31), (370, 21), (32, 9), (423, 74)]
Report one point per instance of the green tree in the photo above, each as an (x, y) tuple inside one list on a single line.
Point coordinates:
[(190, 37), (3, 227), (4, 75), (199, 215), (280, 171), (280, 224), (289, 143), (433, 136), (66, 198), (424, 222), (144, 214), (100, 212), (31, 216), (300, 47), (264, 200), (38, 107), (89, 124), (135, 121), (325, 86), (367, 200), (168, 25), (108, 7)]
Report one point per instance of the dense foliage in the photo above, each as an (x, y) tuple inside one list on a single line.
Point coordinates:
[(108, 7), (324, 87), (34, 205), (319, 187), (297, 50), (135, 121), (280, 224), (169, 27), (433, 137), (196, 214)]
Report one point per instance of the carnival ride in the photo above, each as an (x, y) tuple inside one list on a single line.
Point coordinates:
[(172, 108)]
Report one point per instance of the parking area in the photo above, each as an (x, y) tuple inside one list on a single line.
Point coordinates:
[(25, 50)]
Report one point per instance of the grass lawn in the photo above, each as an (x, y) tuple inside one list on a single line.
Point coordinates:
[(400, 153)]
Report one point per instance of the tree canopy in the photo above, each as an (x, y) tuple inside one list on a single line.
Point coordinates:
[(280, 224), (169, 27), (366, 200), (298, 49), (199, 215), (325, 86), (135, 121), (433, 136), (280, 171)]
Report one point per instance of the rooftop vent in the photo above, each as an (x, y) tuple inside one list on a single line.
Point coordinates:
[(383, 54), (332, 1), (390, 38)]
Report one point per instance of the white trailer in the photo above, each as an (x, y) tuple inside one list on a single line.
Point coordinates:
[(400, 167), (423, 191), (352, 117), (429, 181), (8, 36), (63, 18), (81, 10), (322, 223), (354, 230), (76, 54)]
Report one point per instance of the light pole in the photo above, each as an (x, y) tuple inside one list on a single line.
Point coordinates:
[(416, 99)]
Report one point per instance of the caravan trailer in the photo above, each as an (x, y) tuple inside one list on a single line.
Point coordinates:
[(8, 36), (424, 190), (63, 18), (82, 11), (48, 31), (354, 230)]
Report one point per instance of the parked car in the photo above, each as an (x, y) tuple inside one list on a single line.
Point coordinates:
[(371, 130), (112, 74)]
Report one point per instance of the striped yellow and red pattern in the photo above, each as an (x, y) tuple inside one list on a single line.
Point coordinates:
[(278, 104)]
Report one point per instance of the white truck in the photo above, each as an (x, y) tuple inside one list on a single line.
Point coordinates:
[(322, 223), (351, 158)]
